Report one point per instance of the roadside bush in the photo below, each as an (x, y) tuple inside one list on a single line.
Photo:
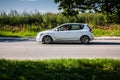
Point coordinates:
[(60, 69), (13, 23), (45, 21)]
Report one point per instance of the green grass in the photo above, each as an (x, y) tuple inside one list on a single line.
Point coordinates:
[(102, 32), (17, 34), (97, 33), (60, 69), (107, 30)]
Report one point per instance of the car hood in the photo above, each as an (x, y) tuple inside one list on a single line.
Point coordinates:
[(45, 31), (42, 32)]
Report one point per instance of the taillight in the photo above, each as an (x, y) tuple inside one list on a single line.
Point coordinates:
[(91, 30)]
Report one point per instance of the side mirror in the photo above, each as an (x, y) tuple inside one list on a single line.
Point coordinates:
[(56, 29)]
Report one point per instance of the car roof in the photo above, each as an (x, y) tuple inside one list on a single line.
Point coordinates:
[(74, 23), (70, 24)]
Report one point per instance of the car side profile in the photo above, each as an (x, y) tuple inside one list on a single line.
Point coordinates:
[(67, 32)]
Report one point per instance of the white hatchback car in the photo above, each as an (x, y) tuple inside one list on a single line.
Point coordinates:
[(67, 32)]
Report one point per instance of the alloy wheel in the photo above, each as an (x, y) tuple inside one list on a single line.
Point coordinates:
[(47, 39), (84, 39)]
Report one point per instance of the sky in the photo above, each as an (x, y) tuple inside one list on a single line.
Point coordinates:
[(43, 6)]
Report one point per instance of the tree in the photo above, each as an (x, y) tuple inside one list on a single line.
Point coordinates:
[(111, 8)]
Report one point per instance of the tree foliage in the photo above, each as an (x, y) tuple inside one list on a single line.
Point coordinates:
[(111, 8)]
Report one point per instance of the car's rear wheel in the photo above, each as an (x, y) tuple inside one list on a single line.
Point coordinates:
[(47, 40), (84, 39)]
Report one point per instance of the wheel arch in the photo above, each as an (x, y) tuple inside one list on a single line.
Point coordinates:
[(84, 35), (83, 40), (47, 35)]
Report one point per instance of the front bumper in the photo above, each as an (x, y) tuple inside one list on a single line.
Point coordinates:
[(38, 38)]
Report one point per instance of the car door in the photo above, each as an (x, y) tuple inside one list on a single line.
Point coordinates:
[(62, 33), (75, 31)]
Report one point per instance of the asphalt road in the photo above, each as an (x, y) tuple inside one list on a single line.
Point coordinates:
[(33, 50)]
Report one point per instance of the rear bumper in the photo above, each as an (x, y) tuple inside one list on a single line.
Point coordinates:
[(91, 37)]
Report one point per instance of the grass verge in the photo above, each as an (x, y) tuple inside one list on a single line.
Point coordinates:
[(97, 33), (102, 32), (60, 69), (17, 34)]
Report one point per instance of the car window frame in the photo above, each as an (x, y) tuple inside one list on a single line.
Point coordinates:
[(80, 27), (63, 26)]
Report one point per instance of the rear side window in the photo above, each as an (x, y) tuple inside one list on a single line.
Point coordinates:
[(76, 27)]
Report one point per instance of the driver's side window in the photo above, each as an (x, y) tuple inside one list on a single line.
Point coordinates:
[(63, 28)]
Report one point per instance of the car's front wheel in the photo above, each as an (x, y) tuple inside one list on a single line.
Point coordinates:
[(47, 40), (84, 39)]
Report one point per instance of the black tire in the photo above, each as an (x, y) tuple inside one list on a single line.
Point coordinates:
[(84, 39), (47, 40)]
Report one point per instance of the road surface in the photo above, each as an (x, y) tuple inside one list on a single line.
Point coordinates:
[(34, 50)]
